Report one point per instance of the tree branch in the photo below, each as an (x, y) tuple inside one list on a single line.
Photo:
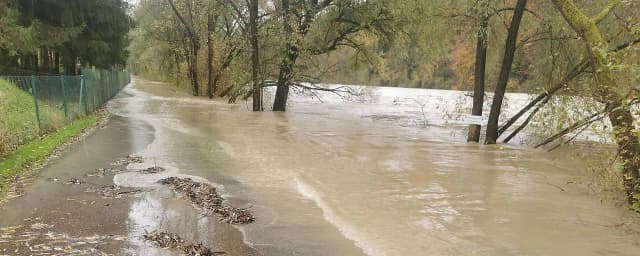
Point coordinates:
[(575, 71), (182, 20), (605, 12)]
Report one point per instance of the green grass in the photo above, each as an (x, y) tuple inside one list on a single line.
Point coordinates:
[(18, 120), (21, 141), (39, 149)]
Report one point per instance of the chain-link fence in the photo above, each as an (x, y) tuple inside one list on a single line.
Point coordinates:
[(62, 99)]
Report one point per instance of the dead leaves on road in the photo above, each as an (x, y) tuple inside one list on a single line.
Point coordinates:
[(166, 240), (207, 198), (131, 159), (40, 239), (152, 170)]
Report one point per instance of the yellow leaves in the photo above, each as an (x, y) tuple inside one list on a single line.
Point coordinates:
[(462, 63)]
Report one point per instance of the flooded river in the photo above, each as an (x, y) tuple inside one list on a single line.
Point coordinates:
[(385, 174)]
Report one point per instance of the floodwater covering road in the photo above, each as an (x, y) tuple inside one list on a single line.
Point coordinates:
[(363, 177)]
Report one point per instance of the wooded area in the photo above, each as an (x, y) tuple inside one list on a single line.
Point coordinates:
[(60, 37), (555, 49), (551, 48), (274, 127)]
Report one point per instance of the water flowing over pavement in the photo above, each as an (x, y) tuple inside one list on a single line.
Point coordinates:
[(363, 177)]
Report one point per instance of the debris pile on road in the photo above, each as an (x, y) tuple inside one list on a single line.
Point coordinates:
[(129, 160), (207, 197), (152, 170), (74, 181), (35, 238), (166, 240), (234, 215), (114, 191), (101, 172)]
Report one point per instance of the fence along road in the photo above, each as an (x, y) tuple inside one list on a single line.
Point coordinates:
[(61, 99)]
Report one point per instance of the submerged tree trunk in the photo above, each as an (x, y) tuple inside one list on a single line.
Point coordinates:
[(479, 76), (255, 55), (284, 81), (505, 71), (620, 115), (286, 67), (577, 70)]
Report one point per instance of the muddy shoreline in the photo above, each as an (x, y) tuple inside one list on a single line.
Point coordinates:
[(71, 205)]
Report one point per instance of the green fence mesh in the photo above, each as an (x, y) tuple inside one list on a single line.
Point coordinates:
[(59, 100)]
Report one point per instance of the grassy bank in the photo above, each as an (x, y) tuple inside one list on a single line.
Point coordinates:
[(21, 142), (18, 119), (39, 149)]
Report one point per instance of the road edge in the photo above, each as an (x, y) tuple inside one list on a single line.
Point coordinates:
[(22, 165)]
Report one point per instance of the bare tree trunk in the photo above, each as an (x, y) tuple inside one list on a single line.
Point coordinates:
[(255, 56), (177, 66), (193, 67), (210, 33), (70, 65), (479, 76), (194, 47), (33, 61), (505, 71), (56, 62), (45, 67)]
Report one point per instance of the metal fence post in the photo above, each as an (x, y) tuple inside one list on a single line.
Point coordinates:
[(64, 98), (34, 92), (82, 94)]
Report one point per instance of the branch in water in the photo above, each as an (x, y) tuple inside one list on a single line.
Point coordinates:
[(591, 119), (341, 91), (582, 125), (575, 71)]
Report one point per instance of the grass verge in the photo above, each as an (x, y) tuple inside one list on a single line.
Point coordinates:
[(18, 120), (39, 150)]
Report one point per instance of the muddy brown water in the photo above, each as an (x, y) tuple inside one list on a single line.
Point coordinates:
[(366, 176)]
